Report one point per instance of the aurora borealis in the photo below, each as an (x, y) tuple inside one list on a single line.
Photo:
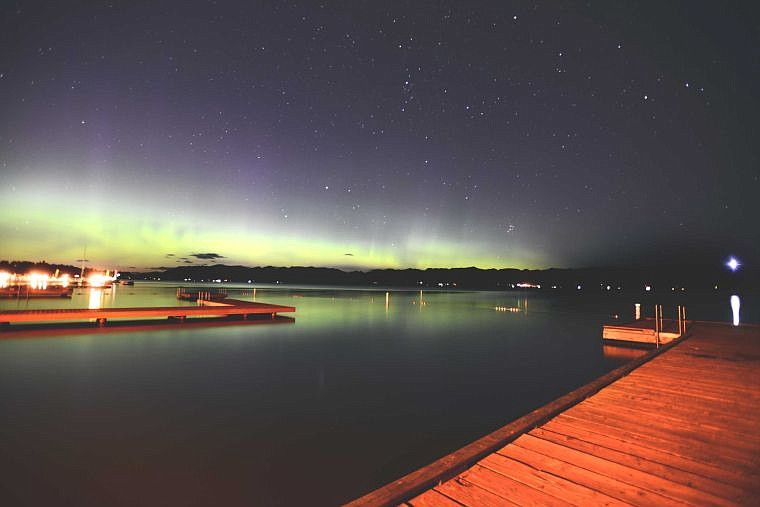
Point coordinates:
[(377, 134)]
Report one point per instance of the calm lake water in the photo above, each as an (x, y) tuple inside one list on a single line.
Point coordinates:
[(353, 394)]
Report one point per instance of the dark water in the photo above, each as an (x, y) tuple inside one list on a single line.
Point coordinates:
[(350, 396)]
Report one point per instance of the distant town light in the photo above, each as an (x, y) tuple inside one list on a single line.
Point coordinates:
[(648, 288), (733, 264)]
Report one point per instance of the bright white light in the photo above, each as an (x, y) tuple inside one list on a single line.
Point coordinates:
[(648, 288), (38, 280), (733, 264), (98, 280)]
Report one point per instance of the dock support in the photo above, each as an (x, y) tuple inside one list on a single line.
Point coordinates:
[(680, 322), (657, 324)]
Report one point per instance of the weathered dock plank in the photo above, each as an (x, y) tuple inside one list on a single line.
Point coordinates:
[(680, 425)]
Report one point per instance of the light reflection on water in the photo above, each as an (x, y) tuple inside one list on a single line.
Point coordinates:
[(735, 307), (361, 389), (95, 296)]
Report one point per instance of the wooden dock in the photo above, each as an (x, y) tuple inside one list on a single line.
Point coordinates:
[(230, 308), (680, 425)]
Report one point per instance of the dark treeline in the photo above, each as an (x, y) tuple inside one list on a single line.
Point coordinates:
[(41, 266), (694, 278), (691, 278)]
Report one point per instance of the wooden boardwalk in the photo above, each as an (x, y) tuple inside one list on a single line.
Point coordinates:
[(679, 427), (230, 308)]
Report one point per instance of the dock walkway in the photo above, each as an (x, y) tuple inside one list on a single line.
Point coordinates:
[(230, 307), (681, 425)]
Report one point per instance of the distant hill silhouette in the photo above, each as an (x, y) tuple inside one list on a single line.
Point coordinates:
[(694, 278), (666, 278)]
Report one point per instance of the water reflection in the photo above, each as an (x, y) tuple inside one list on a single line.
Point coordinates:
[(95, 298), (735, 305), (622, 353)]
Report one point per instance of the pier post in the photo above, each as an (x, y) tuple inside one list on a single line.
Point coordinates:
[(678, 309), (657, 324)]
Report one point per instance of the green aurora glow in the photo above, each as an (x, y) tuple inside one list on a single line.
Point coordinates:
[(119, 232)]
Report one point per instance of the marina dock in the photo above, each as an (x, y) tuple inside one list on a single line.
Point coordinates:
[(229, 308), (678, 425)]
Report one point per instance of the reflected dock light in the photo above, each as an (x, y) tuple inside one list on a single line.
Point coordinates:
[(735, 306), (733, 264)]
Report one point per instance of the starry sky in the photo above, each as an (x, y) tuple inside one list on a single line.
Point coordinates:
[(366, 134)]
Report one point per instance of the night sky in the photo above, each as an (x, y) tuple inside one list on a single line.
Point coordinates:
[(379, 134)]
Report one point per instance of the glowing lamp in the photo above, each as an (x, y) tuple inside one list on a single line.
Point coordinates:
[(38, 280), (733, 264)]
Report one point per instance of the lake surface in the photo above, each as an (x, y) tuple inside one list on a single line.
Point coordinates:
[(352, 395)]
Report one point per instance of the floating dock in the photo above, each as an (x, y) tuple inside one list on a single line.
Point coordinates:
[(641, 332), (230, 308), (25, 292), (679, 425)]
